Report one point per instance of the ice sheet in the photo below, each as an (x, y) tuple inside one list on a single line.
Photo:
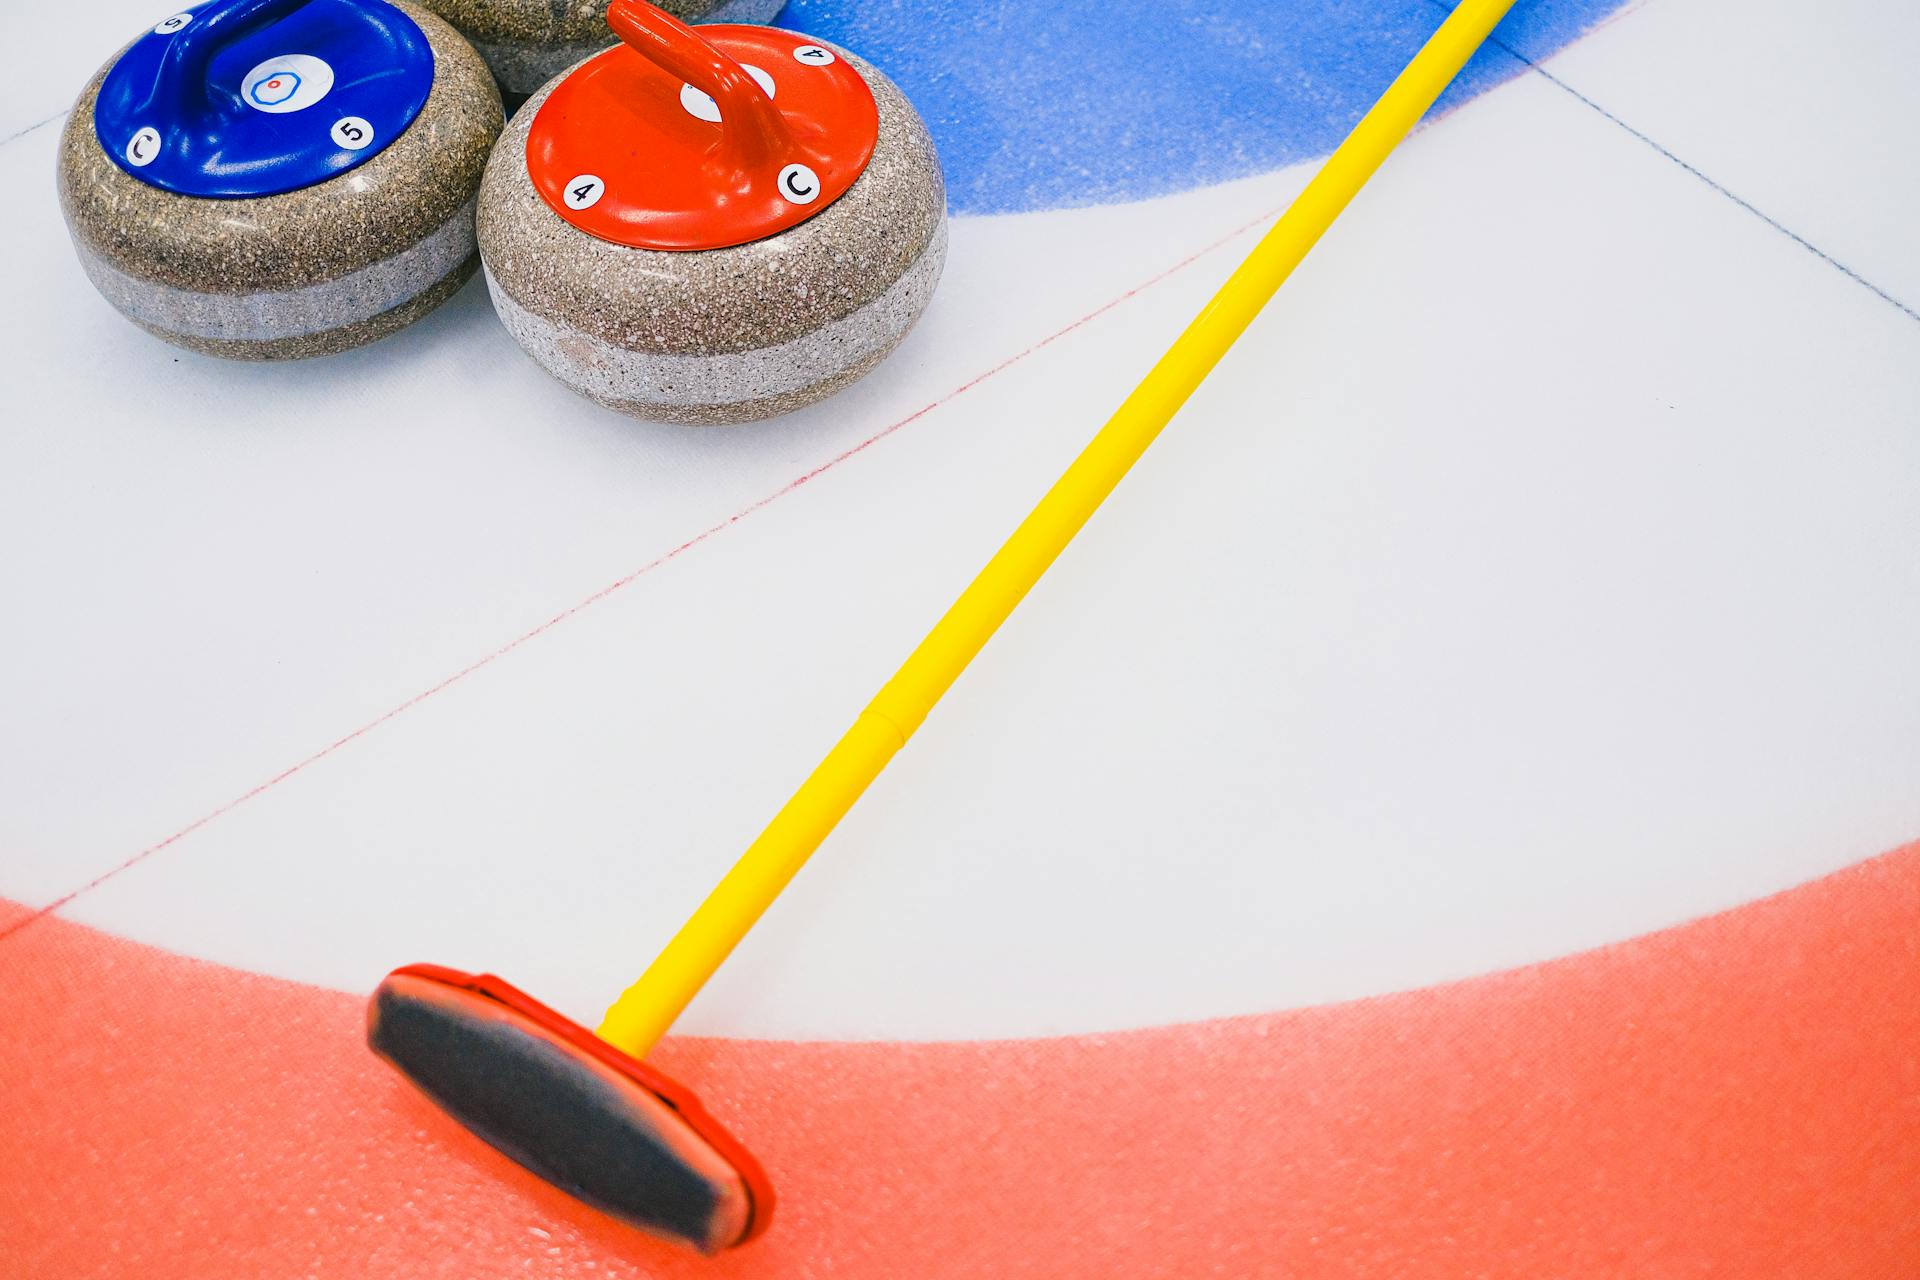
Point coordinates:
[(1537, 574)]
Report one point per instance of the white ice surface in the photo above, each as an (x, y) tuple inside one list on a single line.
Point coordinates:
[(1809, 113), (47, 51), (1539, 572)]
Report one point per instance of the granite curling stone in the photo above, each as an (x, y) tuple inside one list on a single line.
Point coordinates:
[(528, 42), (712, 226), (272, 179)]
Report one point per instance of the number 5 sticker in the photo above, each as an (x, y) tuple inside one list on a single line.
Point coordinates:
[(352, 133)]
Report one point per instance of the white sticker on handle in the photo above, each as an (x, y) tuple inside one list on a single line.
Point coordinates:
[(701, 106), (352, 133), (799, 184), (584, 192), (143, 148), (290, 82)]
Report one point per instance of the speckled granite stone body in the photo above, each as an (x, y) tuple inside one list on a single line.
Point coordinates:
[(309, 272), (528, 42), (722, 335)]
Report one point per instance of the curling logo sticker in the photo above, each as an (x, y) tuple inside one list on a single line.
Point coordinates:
[(291, 82), (274, 91)]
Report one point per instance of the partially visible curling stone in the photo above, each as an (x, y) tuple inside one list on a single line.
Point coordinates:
[(712, 226), (528, 42), (270, 179)]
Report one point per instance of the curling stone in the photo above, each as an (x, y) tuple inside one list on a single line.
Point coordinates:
[(529, 42), (712, 226), (268, 179)]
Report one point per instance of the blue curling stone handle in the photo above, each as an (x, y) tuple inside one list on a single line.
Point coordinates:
[(259, 97)]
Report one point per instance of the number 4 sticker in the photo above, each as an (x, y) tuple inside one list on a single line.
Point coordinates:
[(584, 192)]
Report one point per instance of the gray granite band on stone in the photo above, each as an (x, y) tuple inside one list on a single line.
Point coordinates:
[(522, 68), (290, 313), (616, 375)]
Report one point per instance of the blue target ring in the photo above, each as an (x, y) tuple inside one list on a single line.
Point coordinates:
[(240, 98), (1046, 104)]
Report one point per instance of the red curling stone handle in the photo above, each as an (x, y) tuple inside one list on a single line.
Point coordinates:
[(751, 126), (685, 140)]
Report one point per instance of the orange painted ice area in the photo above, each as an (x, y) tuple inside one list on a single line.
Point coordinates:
[(1738, 1097)]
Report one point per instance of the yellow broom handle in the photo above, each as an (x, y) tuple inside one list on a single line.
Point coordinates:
[(645, 1011)]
